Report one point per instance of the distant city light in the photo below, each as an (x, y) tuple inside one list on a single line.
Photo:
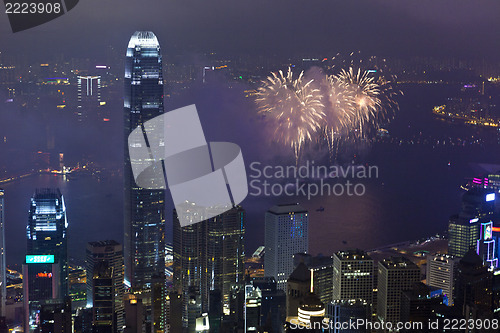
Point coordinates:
[(490, 196), (101, 66)]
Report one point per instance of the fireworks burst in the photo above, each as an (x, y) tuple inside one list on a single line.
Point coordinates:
[(366, 93), (293, 106), (349, 104)]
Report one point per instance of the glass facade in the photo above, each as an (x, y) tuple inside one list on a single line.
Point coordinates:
[(209, 255), (46, 266), (144, 246)]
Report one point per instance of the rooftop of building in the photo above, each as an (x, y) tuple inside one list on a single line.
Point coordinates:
[(103, 243), (398, 262), (287, 209), (356, 254)]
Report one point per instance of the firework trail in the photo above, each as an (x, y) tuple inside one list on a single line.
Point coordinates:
[(293, 106)]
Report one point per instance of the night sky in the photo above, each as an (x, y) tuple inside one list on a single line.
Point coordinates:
[(388, 28)]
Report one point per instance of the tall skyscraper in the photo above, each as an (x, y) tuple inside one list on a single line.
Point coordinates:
[(111, 252), (3, 281), (209, 256), (353, 276), (144, 245), (442, 273), (394, 276), (46, 268), (286, 233)]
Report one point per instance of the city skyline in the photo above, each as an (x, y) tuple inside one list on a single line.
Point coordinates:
[(316, 94)]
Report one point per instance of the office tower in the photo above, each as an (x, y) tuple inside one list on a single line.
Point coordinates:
[(322, 268), (298, 287), (478, 206), (353, 276), (46, 268), (479, 203), (110, 252), (83, 320), (158, 302), (286, 233), (134, 314), (419, 303), (3, 281), (253, 301), (55, 316), (474, 285), (394, 276), (441, 273), (273, 303), (463, 234), (341, 313), (89, 97), (209, 255), (103, 310), (144, 246)]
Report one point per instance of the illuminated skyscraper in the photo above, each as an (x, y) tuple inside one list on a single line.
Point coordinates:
[(46, 268), (144, 246), (286, 233), (3, 290), (209, 256)]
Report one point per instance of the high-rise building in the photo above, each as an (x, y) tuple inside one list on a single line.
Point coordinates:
[(89, 97), (253, 300), (103, 312), (55, 316), (442, 273), (45, 271), (111, 252), (286, 233), (209, 255), (159, 304), (342, 313), (3, 281), (144, 246), (474, 285), (273, 303), (395, 275), (463, 234), (419, 304), (353, 276)]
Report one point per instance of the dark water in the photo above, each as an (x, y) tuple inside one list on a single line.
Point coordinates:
[(414, 195)]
